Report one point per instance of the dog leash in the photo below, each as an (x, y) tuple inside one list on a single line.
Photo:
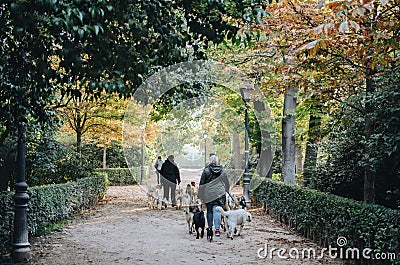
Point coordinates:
[(232, 198)]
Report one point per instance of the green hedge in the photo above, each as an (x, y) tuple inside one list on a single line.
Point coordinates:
[(125, 176), (50, 204), (325, 217), (6, 220)]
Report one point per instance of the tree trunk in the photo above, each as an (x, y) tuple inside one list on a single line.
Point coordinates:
[(314, 131), (266, 152), (105, 157), (78, 141), (236, 151), (299, 159), (288, 141), (369, 174)]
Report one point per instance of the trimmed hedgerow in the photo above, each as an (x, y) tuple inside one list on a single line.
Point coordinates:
[(325, 217), (50, 204), (6, 220)]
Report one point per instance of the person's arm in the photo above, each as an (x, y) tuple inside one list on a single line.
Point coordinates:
[(178, 175)]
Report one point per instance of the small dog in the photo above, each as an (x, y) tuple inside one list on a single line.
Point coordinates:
[(209, 234), (154, 197), (199, 220), (234, 218), (179, 193), (242, 203), (188, 211), (194, 192), (230, 201)]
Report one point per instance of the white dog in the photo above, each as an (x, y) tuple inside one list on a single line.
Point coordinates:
[(234, 218), (154, 197)]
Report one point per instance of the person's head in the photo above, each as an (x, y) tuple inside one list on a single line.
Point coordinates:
[(213, 159), (171, 157), (159, 157)]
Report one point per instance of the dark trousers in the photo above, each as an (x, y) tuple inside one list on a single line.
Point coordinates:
[(169, 186)]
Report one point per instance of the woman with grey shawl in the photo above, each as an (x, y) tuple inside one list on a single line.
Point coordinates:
[(214, 184)]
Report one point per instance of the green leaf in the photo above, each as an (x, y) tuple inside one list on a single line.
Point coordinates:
[(96, 29), (81, 33), (92, 11), (79, 15)]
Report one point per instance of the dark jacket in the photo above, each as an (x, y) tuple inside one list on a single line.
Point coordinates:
[(170, 171), (214, 184)]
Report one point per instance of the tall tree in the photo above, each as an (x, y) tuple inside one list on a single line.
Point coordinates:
[(358, 40), (314, 133), (100, 117), (50, 46), (288, 140)]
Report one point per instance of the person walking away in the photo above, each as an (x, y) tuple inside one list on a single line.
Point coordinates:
[(157, 166), (170, 176), (213, 185)]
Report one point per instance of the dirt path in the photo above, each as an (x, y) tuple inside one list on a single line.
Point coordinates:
[(122, 230)]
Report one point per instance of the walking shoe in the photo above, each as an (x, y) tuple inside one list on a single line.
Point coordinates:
[(217, 233)]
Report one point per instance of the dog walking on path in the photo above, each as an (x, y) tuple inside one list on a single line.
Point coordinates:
[(234, 218)]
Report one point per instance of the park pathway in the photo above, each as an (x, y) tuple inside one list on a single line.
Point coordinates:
[(123, 230)]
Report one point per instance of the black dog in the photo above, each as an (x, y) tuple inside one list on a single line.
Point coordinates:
[(242, 203), (209, 234), (199, 222)]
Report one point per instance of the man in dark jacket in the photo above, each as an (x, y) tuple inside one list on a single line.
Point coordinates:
[(213, 186), (169, 177)]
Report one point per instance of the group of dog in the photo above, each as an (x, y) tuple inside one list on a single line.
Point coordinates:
[(233, 218)]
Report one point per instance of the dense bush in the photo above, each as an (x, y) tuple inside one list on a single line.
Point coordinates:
[(47, 160), (50, 162), (47, 166), (50, 204), (324, 217), (114, 154)]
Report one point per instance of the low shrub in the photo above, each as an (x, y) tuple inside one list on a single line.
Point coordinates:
[(50, 204), (325, 217)]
